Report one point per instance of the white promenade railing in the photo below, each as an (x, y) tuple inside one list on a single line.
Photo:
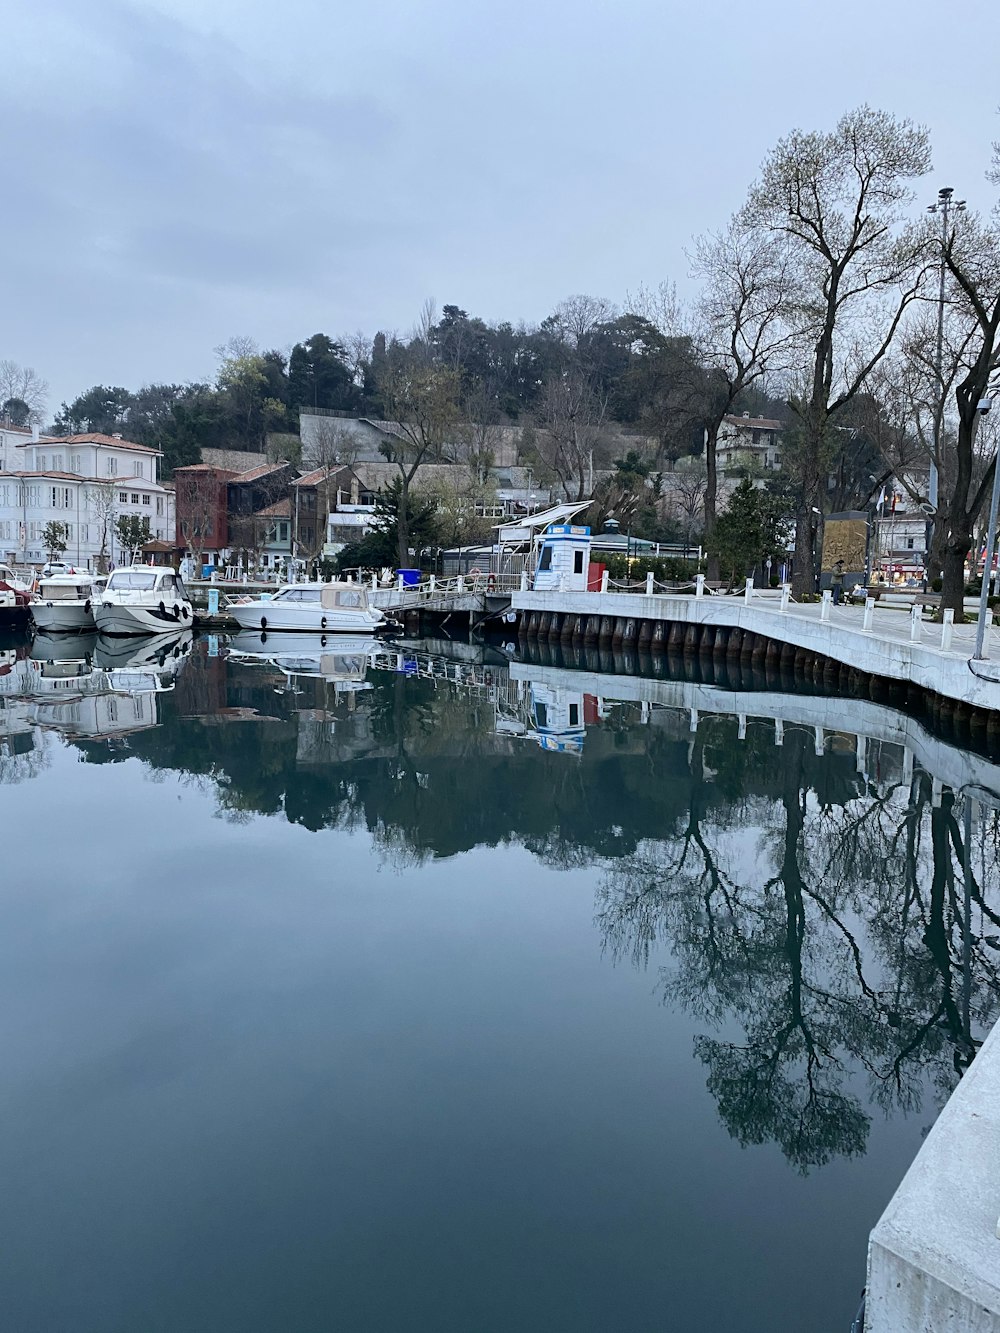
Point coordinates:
[(916, 627)]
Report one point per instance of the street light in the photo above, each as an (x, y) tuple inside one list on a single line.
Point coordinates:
[(982, 410)]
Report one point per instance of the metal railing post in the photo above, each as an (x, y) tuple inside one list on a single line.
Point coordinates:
[(947, 626), (786, 592), (460, 587), (826, 603), (866, 624), (604, 581), (649, 585), (399, 583), (699, 585), (433, 582), (984, 651), (915, 622), (748, 591), (524, 580)]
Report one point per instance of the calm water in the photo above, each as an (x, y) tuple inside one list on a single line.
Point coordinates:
[(433, 995)]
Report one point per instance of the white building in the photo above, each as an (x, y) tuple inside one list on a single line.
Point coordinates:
[(85, 482), (749, 440)]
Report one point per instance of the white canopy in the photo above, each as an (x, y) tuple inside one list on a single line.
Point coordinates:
[(523, 529)]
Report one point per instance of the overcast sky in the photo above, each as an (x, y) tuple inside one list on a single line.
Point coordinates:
[(178, 171)]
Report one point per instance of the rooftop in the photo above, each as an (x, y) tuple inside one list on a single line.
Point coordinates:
[(93, 437)]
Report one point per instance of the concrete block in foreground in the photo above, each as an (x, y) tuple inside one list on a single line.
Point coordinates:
[(934, 1255)]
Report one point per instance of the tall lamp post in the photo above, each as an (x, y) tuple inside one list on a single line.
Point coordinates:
[(991, 537), (943, 206)]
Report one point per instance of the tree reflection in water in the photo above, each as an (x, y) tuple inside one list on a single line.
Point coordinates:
[(841, 936), (843, 921)]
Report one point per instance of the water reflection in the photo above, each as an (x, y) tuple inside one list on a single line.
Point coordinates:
[(812, 878), (82, 686)]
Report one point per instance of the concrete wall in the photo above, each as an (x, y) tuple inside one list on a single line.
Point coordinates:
[(922, 664), (934, 1256)]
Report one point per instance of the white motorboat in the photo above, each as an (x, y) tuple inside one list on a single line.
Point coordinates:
[(66, 602), (143, 600), (316, 608)]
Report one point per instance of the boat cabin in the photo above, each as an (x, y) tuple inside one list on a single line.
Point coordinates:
[(70, 587), (144, 578), (326, 596)]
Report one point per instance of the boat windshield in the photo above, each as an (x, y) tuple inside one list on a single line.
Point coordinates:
[(131, 578), (64, 592)]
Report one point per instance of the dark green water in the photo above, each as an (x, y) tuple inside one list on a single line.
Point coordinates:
[(383, 1009)]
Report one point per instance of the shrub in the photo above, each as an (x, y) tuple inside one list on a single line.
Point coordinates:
[(664, 568)]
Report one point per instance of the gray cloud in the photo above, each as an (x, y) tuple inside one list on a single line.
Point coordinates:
[(177, 171)]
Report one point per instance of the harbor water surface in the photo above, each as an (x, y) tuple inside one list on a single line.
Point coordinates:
[(438, 995)]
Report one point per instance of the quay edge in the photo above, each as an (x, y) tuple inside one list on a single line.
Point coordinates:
[(761, 625)]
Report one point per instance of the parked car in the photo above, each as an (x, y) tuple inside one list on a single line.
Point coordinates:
[(57, 567)]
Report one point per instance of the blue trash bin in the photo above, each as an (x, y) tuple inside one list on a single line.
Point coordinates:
[(410, 577)]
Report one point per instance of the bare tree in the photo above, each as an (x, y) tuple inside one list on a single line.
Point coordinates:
[(22, 395), (972, 258), (199, 505), (421, 398), (102, 496), (834, 201), (570, 419), (577, 316), (741, 331), (684, 491)]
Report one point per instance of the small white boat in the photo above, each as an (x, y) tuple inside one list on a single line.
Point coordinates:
[(143, 600), (66, 602), (315, 608)]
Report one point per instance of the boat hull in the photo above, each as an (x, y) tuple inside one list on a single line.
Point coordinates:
[(272, 616), (129, 619), (64, 616)]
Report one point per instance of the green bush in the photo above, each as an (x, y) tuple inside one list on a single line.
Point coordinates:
[(664, 568)]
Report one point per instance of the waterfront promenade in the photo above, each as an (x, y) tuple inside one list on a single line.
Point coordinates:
[(895, 643)]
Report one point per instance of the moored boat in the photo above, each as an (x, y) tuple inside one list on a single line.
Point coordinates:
[(66, 602), (143, 600), (15, 598), (314, 608)]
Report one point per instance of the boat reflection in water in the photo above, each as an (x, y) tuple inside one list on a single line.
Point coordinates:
[(85, 685), (342, 660)]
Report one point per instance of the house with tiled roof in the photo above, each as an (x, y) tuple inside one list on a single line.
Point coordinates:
[(83, 482)]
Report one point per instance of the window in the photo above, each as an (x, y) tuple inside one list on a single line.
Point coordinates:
[(135, 497), (159, 506), (57, 462), (138, 470), (112, 467), (909, 543), (546, 560), (130, 578), (574, 715), (42, 462), (282, 532), (577, 562), (123, 497), (145, 499), (61, 497)]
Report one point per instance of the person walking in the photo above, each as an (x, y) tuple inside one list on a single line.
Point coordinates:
[(837, 582)]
